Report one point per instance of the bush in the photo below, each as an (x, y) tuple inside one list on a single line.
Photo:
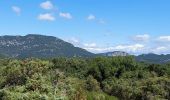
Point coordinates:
[(92, 84)]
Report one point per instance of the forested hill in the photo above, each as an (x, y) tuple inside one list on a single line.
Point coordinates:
[(38, 46), (153, 58)]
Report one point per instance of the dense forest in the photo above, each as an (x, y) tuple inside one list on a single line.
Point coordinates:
[(99, 78)]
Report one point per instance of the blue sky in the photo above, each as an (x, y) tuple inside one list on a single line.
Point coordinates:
[(134, 26)]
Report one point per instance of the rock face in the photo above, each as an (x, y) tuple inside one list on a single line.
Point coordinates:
[(115, 53), (38, 46)]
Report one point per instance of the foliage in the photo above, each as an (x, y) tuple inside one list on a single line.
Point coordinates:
[(100, 78)]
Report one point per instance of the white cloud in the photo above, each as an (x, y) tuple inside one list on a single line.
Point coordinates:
[(101, 21), (65, 15), (46, 17), (164, 38), (46, 5), (136, 48), (160, 50), (141, 38), (96, 50), (91, 17), (16, 9), (90, 45), (73, 40), (133, 48)]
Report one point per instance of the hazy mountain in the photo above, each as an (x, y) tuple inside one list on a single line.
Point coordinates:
[(38, 46), (114, 53), (150, 58), (153, 58)]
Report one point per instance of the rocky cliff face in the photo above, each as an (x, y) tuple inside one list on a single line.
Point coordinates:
[(115, 53)]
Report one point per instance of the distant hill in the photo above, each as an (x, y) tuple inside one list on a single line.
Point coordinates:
[(2, 56), (39, 46), (114, 53), (150, 58), (153, 58)]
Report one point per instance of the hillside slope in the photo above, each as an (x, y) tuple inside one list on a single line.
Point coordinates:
[(38, 46)]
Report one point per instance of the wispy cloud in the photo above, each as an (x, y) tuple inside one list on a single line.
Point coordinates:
[(65, 15), (91, 17), (46, 17), (101, 21), (73, 40), (164, 38), (47, 5), (132, 48), (16, 9), (90, 45), (160, 49), (141, 38)]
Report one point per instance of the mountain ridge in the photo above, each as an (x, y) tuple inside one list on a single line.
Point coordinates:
[(153, 58), (35, 45), (42, 46)]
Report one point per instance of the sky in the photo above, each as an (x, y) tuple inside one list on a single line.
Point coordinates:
[(133, 26)]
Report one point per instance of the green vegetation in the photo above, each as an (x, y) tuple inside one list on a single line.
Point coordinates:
[(100, 78)]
